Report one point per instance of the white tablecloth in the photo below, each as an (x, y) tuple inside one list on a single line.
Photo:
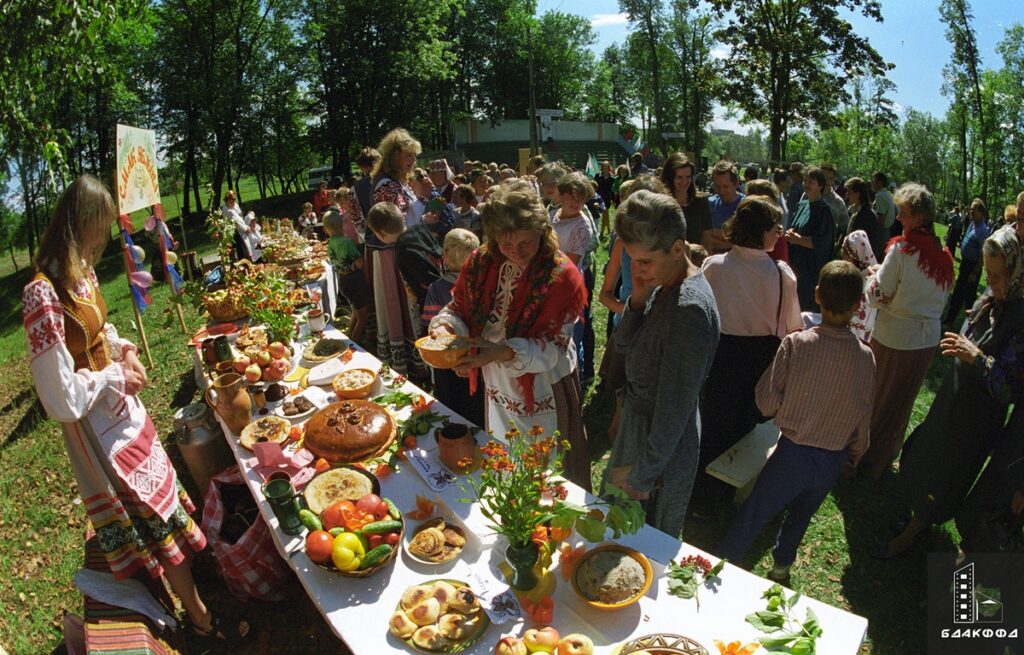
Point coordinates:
[(358, 609)]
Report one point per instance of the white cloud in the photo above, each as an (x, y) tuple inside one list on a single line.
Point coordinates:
[(721, 52), (601, 20)]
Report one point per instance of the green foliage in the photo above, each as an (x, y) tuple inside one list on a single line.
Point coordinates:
[(785, 58), (796, 638)]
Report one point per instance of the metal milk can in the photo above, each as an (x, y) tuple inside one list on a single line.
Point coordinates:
[(201, 442)]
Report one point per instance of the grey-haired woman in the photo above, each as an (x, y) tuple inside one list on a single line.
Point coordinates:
[(669, 332)]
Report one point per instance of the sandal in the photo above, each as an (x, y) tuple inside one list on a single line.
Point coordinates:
[(223, 630)]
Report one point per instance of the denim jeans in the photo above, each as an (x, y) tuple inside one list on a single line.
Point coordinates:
[(796, 476)]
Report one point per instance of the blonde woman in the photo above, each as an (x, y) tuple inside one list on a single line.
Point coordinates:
[(88, 379)]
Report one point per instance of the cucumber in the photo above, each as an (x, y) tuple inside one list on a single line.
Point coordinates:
[(393, 510), (336, 531), (378, 527), (310, 520), (375, 556)]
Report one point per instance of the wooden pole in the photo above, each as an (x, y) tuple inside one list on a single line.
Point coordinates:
[(135, 308), (181, 317)]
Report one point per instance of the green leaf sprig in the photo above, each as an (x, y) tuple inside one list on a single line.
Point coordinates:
[(796, 638), (686, 577)]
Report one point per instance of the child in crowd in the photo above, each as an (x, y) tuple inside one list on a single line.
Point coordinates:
[(480, 181), (355, 224), (467, 216), (577, 239), (697, 254), (820, 389), (254, 237), (449, 388), (404, 257), (345, 257), (308, 217), (595, 204), (857, 250)]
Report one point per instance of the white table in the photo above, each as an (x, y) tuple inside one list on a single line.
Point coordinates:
[(358, 609)]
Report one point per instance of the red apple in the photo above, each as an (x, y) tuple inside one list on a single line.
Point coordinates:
[(277, 370), (575, 644), (541, 640), (263, 358), (253, 373), (510, 646), (277, 350), (241, 364)]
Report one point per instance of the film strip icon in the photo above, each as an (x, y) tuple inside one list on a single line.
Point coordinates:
[(964, 609)]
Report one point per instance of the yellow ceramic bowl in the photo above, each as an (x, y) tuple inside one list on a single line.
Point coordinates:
[(441, 358), (637, 555), (354, 393)]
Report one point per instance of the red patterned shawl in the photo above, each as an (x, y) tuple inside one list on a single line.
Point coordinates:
[(934, 261), (549, 295)]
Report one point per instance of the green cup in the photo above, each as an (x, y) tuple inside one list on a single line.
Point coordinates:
[(283, 499)]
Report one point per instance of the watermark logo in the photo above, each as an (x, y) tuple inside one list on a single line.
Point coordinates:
[(975, 607), (973, 603)]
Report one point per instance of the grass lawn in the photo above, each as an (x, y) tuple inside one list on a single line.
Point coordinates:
[(42, 523)]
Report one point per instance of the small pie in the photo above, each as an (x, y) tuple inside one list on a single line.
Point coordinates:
[(267, 428)]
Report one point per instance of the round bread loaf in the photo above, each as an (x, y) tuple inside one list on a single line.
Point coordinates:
[(349, 431)]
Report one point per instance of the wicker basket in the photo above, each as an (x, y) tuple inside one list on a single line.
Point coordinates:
[(663, 644), (365, 573)]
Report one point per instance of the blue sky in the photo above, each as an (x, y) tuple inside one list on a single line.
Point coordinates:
[(911, 37)]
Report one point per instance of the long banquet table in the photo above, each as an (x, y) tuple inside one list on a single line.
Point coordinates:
[(358, 609)]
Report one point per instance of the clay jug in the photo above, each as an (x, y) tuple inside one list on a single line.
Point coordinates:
[(230, 400), (455, 443)]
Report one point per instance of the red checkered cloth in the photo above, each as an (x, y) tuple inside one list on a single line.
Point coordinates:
[(112, 630), (251, 566)]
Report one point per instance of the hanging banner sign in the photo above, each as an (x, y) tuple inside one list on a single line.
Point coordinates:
[(137, 183)]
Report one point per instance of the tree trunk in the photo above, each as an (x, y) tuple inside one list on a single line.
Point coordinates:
[(964, 192)]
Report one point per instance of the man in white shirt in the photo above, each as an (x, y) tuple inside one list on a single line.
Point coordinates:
[(883, 205)]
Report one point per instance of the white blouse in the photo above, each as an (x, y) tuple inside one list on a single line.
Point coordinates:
[(745, 282), (549, 360), (909, 303)]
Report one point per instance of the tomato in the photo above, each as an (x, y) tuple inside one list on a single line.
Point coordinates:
[(321, 465), (335, 515), (409, 442), (295, 433), (374, 540), (318, 546), (391, 538), (373, 505)]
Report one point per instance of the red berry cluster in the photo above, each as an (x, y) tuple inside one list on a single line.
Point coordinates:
[(700, 564)]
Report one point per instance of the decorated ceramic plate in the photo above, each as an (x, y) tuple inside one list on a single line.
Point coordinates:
[(324, 350), (295, 407), (215, 330), (439, 616)]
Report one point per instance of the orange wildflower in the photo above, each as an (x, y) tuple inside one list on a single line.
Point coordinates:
[(734, 648), (424, 509), (568, 559)]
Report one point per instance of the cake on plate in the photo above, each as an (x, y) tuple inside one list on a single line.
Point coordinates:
[(349, 431)]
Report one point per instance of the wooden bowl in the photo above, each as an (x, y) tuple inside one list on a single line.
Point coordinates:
[(645, 564), (662, 644), (354, 393), (443, 359)]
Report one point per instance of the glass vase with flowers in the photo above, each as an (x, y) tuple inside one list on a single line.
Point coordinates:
[(522, 493)]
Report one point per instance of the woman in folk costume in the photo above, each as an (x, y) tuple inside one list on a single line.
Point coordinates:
[(518, 297), (88, 378), (396, 319), (857, 250)]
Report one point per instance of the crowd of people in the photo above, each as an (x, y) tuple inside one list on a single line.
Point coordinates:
[(781, 298), (787, 296)]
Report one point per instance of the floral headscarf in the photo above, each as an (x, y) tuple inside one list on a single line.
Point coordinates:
[(1005, 242), (857, 246)]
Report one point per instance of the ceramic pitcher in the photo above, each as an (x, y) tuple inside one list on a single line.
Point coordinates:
[(228, 397)]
